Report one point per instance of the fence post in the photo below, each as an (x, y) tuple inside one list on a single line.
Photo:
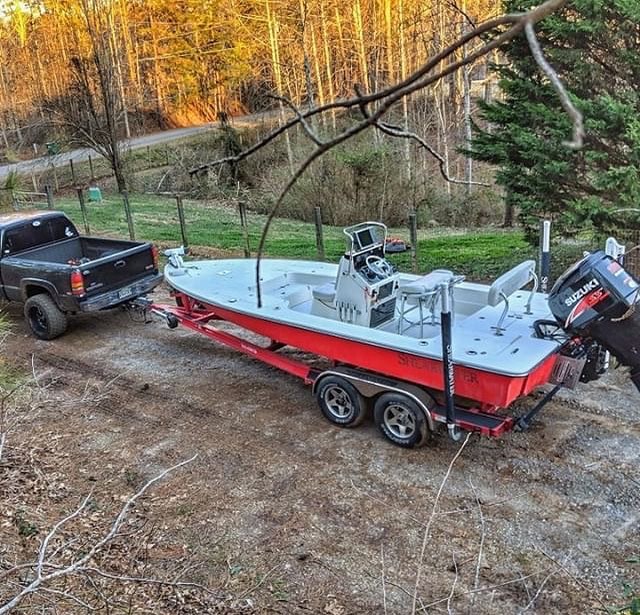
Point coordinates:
[(183, 226), (73, 171), (55, 177), (34, 182), (49, 193), (319, 235), (413, 234), (242, 208), (127, 211), (91, 167), (83, 209)]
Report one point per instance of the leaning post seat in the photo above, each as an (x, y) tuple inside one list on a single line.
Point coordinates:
[(423, 293), (507, 284)]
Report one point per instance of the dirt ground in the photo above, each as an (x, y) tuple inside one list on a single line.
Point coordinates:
[(283, 512)]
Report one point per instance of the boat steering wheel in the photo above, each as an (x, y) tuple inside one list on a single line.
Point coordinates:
[(379, 266)]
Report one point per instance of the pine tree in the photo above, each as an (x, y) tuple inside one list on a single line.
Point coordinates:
[(594, 46)]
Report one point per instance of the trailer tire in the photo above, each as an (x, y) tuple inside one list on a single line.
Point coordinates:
[(340, 402), (401, 420), (44, 318)]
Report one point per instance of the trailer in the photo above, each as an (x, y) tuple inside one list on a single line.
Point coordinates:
[(419, 351)]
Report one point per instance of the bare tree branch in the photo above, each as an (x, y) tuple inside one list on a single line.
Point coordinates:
[(565, 101), (396, 131), (517, 22), (301, 117), (387, 97), (476, 579), (42, 578), (427, 530)]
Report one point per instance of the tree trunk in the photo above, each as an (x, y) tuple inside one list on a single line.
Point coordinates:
[(277, 73), (466, 84)]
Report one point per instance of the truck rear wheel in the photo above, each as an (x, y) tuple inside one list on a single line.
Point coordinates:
[(44, 318), (401, 420)]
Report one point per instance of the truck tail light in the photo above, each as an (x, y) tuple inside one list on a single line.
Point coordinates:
[(156, 260), (77, 283)]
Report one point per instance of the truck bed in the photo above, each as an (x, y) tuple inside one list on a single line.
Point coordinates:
[(104, 263), (73, 251)]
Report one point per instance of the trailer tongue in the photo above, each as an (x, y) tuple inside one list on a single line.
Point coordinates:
[(596, 299)]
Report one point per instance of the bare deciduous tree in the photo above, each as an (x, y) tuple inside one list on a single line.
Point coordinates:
[(92, 110), (374, 105)]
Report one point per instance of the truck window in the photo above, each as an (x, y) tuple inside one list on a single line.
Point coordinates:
[(37, 233)]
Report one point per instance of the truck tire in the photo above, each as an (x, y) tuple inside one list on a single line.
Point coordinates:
[(44, 318)]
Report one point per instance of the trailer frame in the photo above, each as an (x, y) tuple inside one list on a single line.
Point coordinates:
[(193, 315)]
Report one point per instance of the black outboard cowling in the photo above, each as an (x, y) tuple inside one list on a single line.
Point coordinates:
[(597, 298)]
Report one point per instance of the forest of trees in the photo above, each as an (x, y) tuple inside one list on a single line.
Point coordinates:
[(182, 62)]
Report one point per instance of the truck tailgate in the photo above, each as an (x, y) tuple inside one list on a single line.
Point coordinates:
[(117, 270)]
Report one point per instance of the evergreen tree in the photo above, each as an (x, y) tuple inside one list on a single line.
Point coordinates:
[(595, 47)]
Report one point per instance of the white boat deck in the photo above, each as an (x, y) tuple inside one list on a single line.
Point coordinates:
[(287, 286)]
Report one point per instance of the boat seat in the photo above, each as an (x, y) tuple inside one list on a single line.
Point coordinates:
[(509, 283), (427, 283), (325, 293), (422, 294)]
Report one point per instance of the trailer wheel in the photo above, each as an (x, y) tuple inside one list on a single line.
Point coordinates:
[(401, 420), (340, 402), (44, 318)]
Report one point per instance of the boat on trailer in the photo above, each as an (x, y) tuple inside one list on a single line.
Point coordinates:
[(422, 350)]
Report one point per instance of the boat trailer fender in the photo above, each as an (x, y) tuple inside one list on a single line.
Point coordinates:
[(371, 385)]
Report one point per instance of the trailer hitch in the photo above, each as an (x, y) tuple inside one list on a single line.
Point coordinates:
[(171, 319), (138, 306), (146, 306)]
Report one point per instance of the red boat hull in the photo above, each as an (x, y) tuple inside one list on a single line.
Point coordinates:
[(486, 388)]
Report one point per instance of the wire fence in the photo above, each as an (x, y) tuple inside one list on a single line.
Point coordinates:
[(215, 229)]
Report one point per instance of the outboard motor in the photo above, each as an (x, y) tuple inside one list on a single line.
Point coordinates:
[(598, 299)]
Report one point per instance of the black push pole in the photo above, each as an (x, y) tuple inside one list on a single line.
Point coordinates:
[(545, 254), (447, 361)]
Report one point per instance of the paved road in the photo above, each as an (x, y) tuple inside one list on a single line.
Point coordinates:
[(38, 165), (80, 155)]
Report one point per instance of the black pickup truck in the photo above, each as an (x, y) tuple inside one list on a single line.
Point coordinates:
[(45, 264)]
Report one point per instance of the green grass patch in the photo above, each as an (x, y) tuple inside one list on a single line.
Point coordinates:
[(478, 254)]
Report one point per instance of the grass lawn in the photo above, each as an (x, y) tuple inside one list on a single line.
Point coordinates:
[(479, 254)]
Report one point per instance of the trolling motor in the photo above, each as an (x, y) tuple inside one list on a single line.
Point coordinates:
[(597, 301)]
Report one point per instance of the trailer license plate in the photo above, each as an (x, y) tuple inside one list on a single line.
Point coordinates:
[(567, 371), (125, 292)]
